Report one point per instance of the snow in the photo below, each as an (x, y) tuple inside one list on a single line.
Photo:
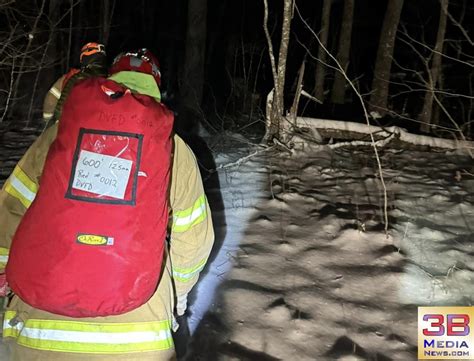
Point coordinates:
[(236, 213), (302, 268), (310, 273)]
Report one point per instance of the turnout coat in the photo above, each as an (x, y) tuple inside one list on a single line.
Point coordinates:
[(142, 334)]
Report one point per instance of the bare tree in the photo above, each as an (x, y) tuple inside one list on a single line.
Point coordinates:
[(53, 17), (108, 7), (339, 86), (26, 55), (29, 52), (383, 64), (46, 72), (277, 105), (195, 56), (435, 73), (421, 85), (322, 56)]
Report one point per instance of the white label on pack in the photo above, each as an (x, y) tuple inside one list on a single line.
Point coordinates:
[(102, 174)]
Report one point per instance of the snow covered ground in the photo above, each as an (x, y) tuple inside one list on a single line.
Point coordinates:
[(302, 268), (305, 270)]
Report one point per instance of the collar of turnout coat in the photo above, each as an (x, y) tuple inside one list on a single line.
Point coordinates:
[(138, 82)]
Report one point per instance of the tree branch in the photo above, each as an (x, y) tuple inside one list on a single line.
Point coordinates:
[(341, 69)]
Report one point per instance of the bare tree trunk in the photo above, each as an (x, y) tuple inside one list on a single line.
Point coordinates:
[(108, 7), (322, 55), (339, 86), (71, 26), (195, 56), (437, 111), (53, 55), (78, 36), (383, 64), (144, 25), (277, 107), (213, 37), (170, 78), (471, 107), (435, 72)]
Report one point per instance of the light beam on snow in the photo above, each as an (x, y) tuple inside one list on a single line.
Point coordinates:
[(241, 190)]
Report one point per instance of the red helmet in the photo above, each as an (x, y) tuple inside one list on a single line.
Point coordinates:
[(141, 60)]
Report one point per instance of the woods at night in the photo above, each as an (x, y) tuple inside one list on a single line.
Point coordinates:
[(236, 179), (410, 62)]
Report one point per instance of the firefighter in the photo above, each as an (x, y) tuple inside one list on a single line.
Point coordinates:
[(93, 62), (146, 332)]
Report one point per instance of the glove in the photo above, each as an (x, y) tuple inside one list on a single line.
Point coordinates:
[(4, 285), (181, 304)]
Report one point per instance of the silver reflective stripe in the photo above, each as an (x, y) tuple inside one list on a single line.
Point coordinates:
[(47, 115), (182, 221), (187, 276), (21, 188), (95, 337), (3, 259), (55, 92)]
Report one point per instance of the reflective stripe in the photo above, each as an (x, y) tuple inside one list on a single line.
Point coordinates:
[(47, 115), (95, 342), (14, 193), (20, 186), (85, 337), (27, 181), (94, 337), (3, 256), (184, 220), (56, 92), (186, 274)]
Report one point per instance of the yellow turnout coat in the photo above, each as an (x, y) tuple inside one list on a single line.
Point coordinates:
[(142, 334)]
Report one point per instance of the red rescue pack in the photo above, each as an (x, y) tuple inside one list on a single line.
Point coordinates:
[(91, 243)]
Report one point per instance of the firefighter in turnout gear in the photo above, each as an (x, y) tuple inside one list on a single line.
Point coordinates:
[(93, 62), (144, 333)]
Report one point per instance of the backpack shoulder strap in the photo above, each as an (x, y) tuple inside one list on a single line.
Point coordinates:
[(71, 78), (68, 76)]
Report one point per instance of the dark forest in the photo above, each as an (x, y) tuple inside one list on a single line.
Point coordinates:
[(329, 174), (411, 62)]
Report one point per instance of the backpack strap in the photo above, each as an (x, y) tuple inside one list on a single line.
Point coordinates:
[(71, 78), (68, 76)]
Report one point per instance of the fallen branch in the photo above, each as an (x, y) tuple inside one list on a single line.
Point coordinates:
[(299, 89), (358, 143), (241, 160), (309, 96), (358, 131), (282, 146)]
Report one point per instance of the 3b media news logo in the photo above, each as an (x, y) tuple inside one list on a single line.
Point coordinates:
[(445, 333)]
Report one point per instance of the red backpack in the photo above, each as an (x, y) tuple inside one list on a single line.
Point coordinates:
[(91, 243)]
